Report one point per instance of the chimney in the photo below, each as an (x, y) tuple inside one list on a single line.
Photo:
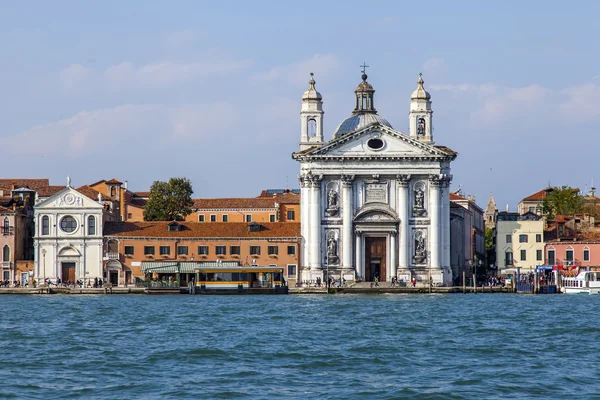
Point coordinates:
[(593, 192), (506, 207), (126, 185)]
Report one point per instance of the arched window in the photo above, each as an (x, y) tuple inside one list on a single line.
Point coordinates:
[(312, 128), (6, 253), (6, 226), (113, 191), (421, 127), (91, 225), (45, 225)]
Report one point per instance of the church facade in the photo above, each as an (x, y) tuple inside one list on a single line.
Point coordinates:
[(68, 236), (374, 201)]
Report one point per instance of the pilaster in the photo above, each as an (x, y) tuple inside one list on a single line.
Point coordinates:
[(347, 212)]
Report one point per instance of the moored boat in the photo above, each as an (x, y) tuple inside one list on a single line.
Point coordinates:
[(585, 282)]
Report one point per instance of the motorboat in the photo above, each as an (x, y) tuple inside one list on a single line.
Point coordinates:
[(587, 282)]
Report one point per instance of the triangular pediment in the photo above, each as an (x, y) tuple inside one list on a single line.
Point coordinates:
[(377, 141), (68, 198)]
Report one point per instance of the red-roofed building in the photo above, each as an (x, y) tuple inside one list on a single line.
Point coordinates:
[(127, 245)]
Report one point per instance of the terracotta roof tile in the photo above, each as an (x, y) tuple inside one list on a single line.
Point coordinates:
[(287, 198), (7, 183), (142, 194), (113, 181), (49, 190), (454, 196), (202, 230), (96, 183), (90, 192), (4, 210), (137, 202), (539, 196), (243, 202)]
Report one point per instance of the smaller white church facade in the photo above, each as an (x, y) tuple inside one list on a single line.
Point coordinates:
[(374, 201), (68, 237)]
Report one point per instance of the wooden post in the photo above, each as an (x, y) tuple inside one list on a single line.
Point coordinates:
[(474, 284), (464, 282)]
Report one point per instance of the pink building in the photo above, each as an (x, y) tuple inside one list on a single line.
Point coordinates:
[(573, 253)]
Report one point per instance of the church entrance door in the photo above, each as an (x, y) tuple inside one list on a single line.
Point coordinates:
[(375, 258), (68, 271)]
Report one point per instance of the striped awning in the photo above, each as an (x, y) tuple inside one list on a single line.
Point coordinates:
[(169, 267)]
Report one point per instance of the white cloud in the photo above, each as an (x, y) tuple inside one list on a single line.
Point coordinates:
[(323, 66), (434, 65), (156, 75), (582, 103), (93, 132), (74, 75)]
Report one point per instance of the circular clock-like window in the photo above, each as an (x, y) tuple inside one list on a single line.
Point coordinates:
[(375, 144), (68, 224)]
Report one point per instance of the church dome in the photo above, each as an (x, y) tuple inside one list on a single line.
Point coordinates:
[(311, 93), (420, 93), (358, 121), (364, 113), (364, 86)]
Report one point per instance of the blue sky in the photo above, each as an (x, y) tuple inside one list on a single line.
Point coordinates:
[(143, 91)]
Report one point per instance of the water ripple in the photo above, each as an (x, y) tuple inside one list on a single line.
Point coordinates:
[(314, 346)]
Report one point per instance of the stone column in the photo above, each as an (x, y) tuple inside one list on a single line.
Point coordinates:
[(347, 221), (305, 197), (360, 273), (446, 220), (315, 223), (435, 228), (404, 213), (392, 270)]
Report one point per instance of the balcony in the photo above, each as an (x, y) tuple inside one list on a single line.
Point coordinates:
[(7, 264), (113, 256), (7, 230)]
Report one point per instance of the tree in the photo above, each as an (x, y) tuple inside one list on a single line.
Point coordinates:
[(169, 201), (489, 239), (562, 201)]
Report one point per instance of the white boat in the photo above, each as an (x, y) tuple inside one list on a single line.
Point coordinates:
[(586, 282)]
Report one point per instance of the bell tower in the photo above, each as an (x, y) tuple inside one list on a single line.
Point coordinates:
[(420, 114), (311, 117)]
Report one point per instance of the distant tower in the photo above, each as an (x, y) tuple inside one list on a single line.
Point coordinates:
[(311, 117), (490, 213), (420, 114)]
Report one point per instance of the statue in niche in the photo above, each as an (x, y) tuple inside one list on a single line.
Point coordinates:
[(332, 250), (420, 248), (332, 202), (419, 207), (421, 127)]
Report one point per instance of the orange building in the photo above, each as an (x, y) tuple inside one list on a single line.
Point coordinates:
[(129, 206), (270, 206), (129, 246)]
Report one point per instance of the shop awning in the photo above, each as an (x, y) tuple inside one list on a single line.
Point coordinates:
[(169, 267)]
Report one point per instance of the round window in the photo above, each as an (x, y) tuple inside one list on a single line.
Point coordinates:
[(375, 144), (68, 224)]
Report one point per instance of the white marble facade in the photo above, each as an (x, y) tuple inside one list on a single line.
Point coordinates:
[(374, 201), (68, 237)]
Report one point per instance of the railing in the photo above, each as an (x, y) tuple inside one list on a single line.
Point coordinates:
[(113, 256), (7, 264), (157, 284), (7, 230)]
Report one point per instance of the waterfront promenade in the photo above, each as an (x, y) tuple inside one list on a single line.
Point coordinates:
[(363, 288)]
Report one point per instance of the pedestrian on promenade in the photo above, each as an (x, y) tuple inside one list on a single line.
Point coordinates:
[(376, 281), (414, 281)]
